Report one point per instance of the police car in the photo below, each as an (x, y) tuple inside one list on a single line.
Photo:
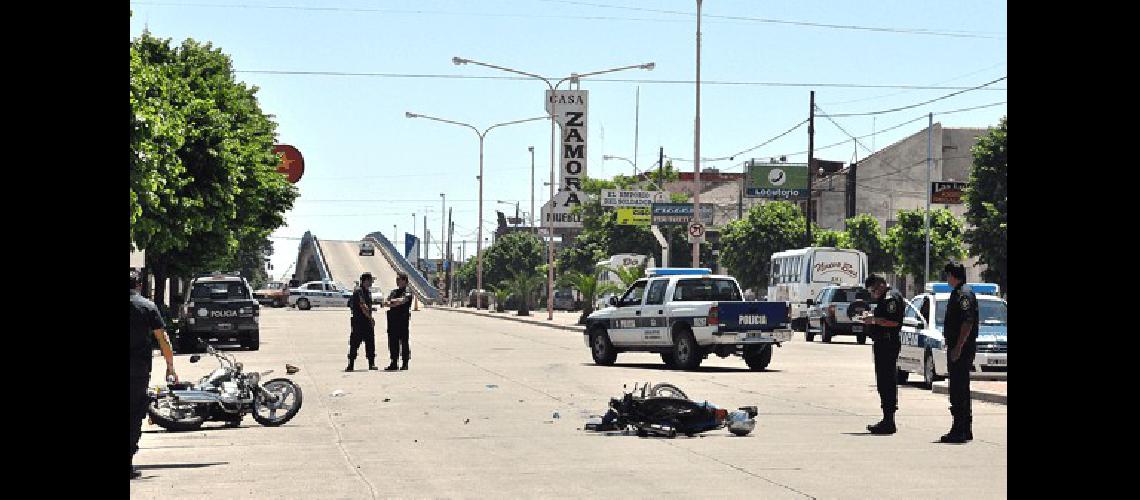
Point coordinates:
[(319, 294), (218, 306), (923, 344), (685, 314)]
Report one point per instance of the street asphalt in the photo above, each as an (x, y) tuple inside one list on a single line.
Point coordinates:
[(493, 409)]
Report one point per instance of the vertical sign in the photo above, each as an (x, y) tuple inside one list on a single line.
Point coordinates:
[(569, 110), (411, 248)]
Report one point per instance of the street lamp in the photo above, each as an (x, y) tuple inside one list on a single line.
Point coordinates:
[(531, 149), (482, 135), (553, 87)]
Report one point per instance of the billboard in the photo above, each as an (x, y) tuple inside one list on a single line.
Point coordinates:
[(634, 216), (776, 180), (947, 192), (622, 198), (679, 213)]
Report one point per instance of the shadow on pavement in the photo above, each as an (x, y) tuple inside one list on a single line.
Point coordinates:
[(662, 367), (178, 466)]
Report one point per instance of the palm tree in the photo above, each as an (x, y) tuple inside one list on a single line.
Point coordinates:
[(587, 285), (628, 274), (523, 284), (501, 294)]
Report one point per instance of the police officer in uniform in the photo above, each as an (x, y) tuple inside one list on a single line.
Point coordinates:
[(961, 332), (884, 327), (147, 328), (399, 314), (363, 324)]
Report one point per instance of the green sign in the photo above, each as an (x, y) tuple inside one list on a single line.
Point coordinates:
[(776, 180)]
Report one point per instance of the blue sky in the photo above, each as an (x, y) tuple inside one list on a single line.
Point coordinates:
[(368, 167)]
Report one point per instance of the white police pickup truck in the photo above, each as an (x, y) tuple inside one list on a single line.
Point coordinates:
[(686, 314), (924, 347)]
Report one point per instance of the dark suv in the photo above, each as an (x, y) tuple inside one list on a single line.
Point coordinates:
[(218, 307), (830, 313)]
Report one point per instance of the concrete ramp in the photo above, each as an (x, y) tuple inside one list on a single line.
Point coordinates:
[(345, 264)]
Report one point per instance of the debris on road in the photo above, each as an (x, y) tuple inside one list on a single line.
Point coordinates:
[(387, 399), (338, 393), (664, 410), (492, 386)]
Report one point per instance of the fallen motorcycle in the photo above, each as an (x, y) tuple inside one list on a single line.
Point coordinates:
[(226, 395), (664, 410)]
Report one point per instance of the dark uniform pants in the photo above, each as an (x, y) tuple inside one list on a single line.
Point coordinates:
[(362, 331), (886, 352), (398, 344), (960, 383), (138, 411)]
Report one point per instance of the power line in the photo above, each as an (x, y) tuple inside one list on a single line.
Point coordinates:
[(959, 77), (892, 110), (911, 31), (609, 80)]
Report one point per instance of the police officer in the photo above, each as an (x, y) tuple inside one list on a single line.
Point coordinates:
[(363, 324), (885, 325), (961, 332), (399, 314), (147, 328)]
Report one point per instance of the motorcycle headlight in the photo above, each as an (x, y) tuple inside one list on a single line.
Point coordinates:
[(740, 423)]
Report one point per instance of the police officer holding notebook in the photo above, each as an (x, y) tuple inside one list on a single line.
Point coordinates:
[(885, 324)]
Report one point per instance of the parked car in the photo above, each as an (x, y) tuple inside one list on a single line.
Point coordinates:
[(367, 248), (924, 346), (488, 297), (274, 293), (564, 300), (319, 294), (828, 313), (221, 307)]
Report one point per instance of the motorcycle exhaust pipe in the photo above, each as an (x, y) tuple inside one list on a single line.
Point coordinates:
[(194, 396)]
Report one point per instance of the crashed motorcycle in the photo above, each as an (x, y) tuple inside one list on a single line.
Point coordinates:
[(664, 410), (225, 395)]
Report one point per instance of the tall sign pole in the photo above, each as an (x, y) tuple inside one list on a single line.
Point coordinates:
[(697, 145), (811, 159), (926, 217)]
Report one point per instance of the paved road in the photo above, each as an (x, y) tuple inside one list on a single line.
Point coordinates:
[(346, 264), (474, 418)]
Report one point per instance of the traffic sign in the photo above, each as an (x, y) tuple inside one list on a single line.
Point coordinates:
[(696, 232)]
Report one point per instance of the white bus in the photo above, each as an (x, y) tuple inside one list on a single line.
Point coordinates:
[(615, 262), (798, 275)]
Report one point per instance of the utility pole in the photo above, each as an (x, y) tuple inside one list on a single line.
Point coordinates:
[(811, 159), (448, 259), (926, 216), (531, 149), (697, 144), (423, 252), (636, 118), (661, 168)]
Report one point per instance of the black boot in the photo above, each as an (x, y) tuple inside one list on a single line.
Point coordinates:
[(391, 367), (372, 364), (405, 365), (351, 362), (885, 426), (958, 432)]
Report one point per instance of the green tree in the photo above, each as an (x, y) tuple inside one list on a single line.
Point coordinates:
[(865, 234), (523, 285), (830, 238), (747, 244), (512, 252), (985, 198), (587, 285), (907, 240), (219, 191), (627, 274)]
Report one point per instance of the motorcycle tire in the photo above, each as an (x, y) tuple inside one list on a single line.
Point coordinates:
[(272, 420), (173, 425)]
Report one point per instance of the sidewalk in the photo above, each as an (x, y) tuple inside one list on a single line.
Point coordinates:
[(563, 320), (994, 391)]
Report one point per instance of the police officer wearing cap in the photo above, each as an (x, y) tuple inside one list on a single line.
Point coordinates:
[(885, 325), (399, 315), (363, 324), (961, 333)]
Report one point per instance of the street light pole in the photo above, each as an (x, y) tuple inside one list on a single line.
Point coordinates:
[(552, 87), (531, 149), (482, 136), (697, 144)]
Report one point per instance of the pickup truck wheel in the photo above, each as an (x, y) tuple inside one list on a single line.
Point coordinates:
[(303, 304), (862, 339), (601, 348), (808, 334), (758, 358), (253, 343), (667, 357), (824, 332), (686, 353)]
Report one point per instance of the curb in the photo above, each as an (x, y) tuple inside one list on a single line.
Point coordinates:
[(944, 388), (536, 322)]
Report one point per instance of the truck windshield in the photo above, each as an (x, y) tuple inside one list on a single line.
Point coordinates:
[(219, 291), (706, 289)]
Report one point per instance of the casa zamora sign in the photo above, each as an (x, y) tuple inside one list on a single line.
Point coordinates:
[(558, 212), (569, 109)]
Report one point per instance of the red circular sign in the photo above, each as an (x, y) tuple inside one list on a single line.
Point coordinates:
[(292, 163)]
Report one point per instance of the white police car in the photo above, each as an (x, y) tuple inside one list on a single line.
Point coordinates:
[(319, 294), (924, 347)]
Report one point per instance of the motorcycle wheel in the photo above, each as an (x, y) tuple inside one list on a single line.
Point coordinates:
[(666, 390), (176, 419), (281, 411)]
